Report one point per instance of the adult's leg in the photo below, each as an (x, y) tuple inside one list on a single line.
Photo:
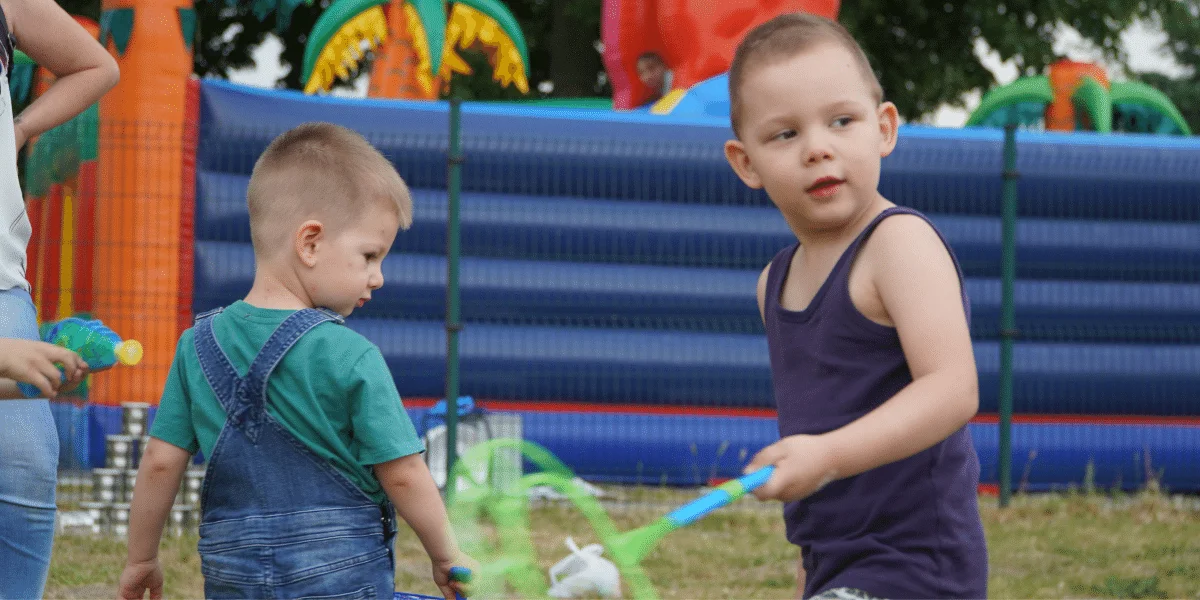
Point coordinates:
[(28, 471)]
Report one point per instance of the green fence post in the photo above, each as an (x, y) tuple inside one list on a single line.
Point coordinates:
[(453, 324), (1008, 326)]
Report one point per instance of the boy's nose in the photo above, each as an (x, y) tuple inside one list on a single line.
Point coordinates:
[(816, 150), (816, 145), (375, 281)]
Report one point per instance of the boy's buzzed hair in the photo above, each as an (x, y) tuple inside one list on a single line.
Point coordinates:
[(319, 170), (786, 36)]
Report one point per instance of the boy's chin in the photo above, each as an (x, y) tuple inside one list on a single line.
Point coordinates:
[(825, 217)]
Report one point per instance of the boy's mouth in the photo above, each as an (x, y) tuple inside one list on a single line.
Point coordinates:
[(825, 187), (823, 183), (362, 301)]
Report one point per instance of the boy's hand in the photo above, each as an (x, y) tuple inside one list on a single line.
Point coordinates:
[(803, 465), (140, 577), (33, 362), (448, 586)]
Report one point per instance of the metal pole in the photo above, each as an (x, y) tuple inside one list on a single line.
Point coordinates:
[(1008, 325), (453, 324)]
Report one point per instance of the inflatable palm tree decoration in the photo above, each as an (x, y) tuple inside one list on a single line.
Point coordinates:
[(416, 43), (1078, 97)]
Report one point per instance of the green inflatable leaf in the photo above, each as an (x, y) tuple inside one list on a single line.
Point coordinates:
[(116, 23), (1026, 90)]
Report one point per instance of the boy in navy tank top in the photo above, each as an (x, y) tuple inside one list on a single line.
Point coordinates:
[(867, 326)]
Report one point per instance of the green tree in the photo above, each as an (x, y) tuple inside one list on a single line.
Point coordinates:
[(227, 36), (1182, 26), (83, 8), (924, 51)]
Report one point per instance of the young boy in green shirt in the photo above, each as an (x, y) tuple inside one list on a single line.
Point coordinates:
[(302, 425)]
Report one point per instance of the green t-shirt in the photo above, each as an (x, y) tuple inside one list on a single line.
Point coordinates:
[(332, 390)]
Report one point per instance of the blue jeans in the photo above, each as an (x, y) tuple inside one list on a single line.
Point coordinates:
[(28, 471)]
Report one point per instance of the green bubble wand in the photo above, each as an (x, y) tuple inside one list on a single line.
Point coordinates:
[(514, 561)]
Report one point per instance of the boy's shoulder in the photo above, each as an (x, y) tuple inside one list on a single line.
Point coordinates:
[(907, 235), (337, 339), (337, 343)]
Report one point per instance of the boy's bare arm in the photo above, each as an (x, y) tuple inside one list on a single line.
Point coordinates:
[(920, 289), (157, 484), (761, 292), (158, 479), (411, 489)]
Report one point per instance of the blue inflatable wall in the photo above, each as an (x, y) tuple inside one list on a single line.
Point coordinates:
[(611, 258)]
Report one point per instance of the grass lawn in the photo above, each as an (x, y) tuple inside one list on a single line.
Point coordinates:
[(1043, 546)]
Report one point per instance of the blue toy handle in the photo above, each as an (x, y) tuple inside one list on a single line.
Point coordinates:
[(722, 496), (459, 574), (755, 480), (31, 392)]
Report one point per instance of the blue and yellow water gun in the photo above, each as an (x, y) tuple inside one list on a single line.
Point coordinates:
[(100, 347)]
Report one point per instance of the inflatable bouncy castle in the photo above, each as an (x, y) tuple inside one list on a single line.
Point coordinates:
[(416, 45), (609, 266), (1077, 96)]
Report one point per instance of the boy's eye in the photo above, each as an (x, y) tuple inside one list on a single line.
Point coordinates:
[(842, 121), (786, 134), (371, 256)]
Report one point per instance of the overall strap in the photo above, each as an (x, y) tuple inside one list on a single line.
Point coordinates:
[(281, 341), (244, 398), (217, 369)]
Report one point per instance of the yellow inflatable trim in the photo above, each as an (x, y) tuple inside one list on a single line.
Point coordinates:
[(468, 27), (341, 55)]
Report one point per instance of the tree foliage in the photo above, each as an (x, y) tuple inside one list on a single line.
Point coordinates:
[(924, 51)]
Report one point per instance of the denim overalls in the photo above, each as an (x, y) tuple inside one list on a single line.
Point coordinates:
[(279, 521)]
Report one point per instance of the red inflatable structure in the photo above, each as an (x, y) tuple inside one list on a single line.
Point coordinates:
[(696, 38)]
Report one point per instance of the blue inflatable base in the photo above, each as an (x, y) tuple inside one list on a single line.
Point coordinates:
[(598, 230), (693, 450)]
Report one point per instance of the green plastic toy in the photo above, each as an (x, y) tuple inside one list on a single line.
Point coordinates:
[(100, 347), (514, 561)]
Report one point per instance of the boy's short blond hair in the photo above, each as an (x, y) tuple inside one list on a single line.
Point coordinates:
[(319, 171), (783, 37)]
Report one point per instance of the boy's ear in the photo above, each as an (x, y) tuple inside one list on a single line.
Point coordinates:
[(735, 153), (308, 237), (889, 123)]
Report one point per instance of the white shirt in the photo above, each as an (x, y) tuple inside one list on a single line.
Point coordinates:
[(15, 230)]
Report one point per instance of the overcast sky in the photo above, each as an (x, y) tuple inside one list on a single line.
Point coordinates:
[(1142, 42)]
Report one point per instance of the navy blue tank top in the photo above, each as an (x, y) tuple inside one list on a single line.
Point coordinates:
[(909, 529)]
